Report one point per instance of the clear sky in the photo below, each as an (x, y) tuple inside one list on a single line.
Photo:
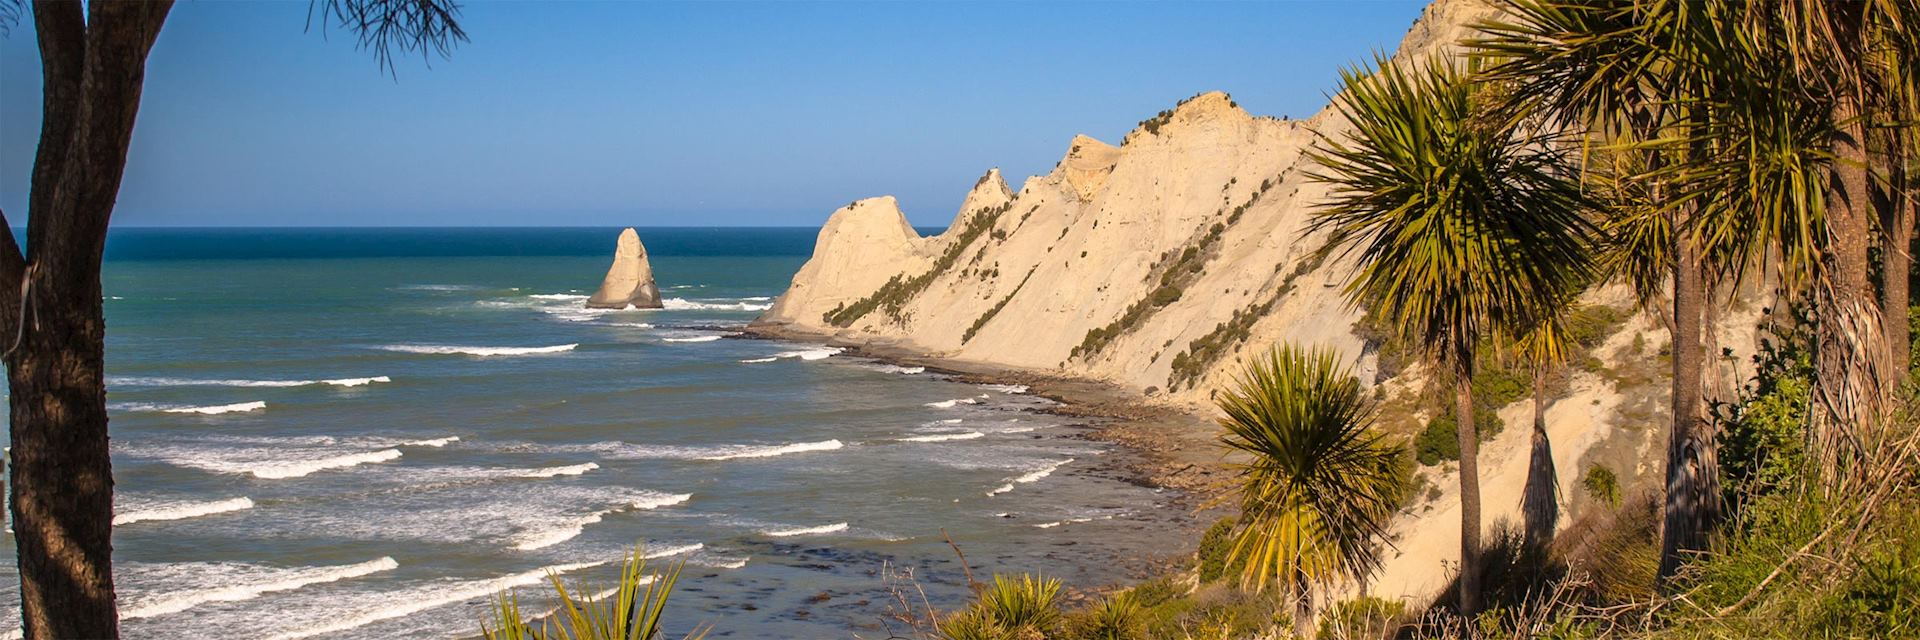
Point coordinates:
[(671, 114)]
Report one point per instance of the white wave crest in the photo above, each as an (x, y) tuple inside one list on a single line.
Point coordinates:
[(277, 580), (277, 470), (180, 510), (893, 368), (693, 339), (807, 531), (180, 408), (1029, 477), (433, 596), (724, 563), (549, 472), (821, 353), (944, 437), (949, 404), (558, 296), (219, 409), (771, 451), (141, 381), (477, 351), (757, 360), (436, 442), (571, 529), (1006, 388), (682, 304)]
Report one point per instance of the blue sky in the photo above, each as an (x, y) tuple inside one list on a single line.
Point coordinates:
[(671, 114)]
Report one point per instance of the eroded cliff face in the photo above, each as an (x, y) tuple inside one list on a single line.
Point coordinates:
[(1157, 264), (1164, 263)]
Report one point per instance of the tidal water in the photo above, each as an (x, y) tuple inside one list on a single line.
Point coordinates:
[(368, 433)]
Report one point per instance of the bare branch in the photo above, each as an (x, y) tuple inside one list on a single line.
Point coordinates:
[(427, 27)]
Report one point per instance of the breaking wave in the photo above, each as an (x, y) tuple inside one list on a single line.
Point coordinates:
[(179, 510), (137, 381), (806, 531), (250, 587), (741, 304), (477, 351), (944, 437)]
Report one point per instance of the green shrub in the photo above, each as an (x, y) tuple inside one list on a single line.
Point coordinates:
[(1214, 545), (1118, 617), (1602, 485), (990, 313), (1009, 609), (1440, 441)]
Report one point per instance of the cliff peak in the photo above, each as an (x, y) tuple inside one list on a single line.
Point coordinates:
[(1087, 164)]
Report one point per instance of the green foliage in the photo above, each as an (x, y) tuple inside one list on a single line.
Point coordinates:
[(633, 612), (1762, 438), (1440, 441), (1176, 270), (1319, 485), (1601, 484), (1465, 225), (1364, 617), (1205, 350), (988, 316), (1590, 325), (1009, 609), (1214, 547), (1118, 617), (898, 291)]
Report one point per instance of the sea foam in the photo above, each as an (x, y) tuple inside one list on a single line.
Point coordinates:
[(178, 510), (715, 304), (571, 529), (477, 351), (1029, 477), (806, 531), (944, 437), (139, 381), (431, 596), (265, 580)]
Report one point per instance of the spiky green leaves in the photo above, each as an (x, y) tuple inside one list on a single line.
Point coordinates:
[(1466, 223), (1318, 486)]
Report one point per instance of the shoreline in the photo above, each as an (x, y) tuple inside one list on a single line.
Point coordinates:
[(1173, 449)]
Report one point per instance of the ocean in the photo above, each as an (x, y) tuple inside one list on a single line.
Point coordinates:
[(368, 433)]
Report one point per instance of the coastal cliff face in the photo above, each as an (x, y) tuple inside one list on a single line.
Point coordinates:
[(1157, 264)]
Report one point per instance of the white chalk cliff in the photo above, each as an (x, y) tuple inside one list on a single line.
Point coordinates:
[(1161, 265), (629, 282)]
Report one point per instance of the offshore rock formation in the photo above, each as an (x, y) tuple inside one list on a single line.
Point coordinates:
[(629, 281)]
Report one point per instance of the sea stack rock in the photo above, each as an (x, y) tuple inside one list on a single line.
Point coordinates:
[(629, 281)]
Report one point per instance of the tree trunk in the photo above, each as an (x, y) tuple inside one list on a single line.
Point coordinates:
[(1851, 345), (1469, 489), (1693, 474), (1540, 500), (62, 475), (1896, 266)]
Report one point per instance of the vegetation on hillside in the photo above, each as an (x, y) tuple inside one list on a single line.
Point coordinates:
[(893, 296)]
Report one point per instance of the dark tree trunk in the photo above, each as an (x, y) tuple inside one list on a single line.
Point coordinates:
[(1693, 473), (1896, 262), (1540, 500), (1469, 489), (62, 476), (1850, 335)]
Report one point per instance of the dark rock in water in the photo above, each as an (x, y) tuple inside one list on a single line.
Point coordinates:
[(629, 281)]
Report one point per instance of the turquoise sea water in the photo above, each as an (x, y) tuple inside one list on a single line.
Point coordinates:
[(366, 433)]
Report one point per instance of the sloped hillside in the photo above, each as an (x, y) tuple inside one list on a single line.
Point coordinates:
[(1155, 264)]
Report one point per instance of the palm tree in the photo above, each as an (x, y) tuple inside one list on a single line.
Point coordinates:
[(1633, 75), (1319, 487), (1544, 348), (1464, 222)]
